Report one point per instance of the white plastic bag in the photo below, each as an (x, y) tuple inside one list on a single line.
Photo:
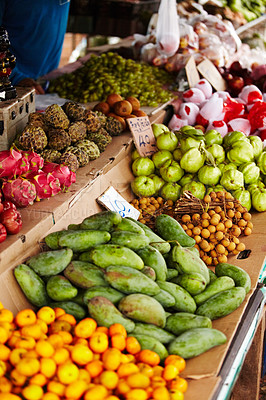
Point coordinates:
[(167, 30)]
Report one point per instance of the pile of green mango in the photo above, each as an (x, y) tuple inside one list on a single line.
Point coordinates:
[(190, 160), (117, 270)]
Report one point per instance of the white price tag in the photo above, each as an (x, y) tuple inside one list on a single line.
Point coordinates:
[(113, 201), (144, 139)]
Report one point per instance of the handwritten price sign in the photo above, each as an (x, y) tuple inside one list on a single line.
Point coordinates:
[(144, 139), (113, 201)]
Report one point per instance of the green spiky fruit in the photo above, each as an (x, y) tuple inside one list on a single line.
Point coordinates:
[(58, 139), (37, 119), (102, 117), (81, 154), (55, 117), (77, 131), (92, 121), (74, 111), (31, 138), (101, 138), (113, 126), (50, 155), (90, 147), (70, 160)]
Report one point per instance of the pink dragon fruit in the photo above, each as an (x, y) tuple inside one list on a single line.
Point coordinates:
[(34, 160), (62, 172), (9, 162), (20, 191), (46, 185)]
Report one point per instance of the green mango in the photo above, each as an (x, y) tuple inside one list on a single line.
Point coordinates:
[(132, 240), (31, 285), (152, 330), (70, 307), (153, 344), (50, 262), (103, 221), (170, 229), (83, 240), (183, 300), (85, 275), (130, 280), (59, 288), (181, 322), (154, 259), (110, 293), (106, 314)]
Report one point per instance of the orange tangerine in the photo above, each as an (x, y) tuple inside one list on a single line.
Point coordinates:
[(157, 381), (58, 326), (117, 329), (16, 378), (176, 394), (38, 379), (44, 348), (58, 312), (50, 396), (98, 342), (9, 396), (55, 340), (81, 354), (97, 392), (25, 317), (32, 392), (67, 372), (85, 328), (145, 369), (149, 357), (122, 387), (84, 375), (111, 358), (103, 329), (33, 330), (4, 352), (118, 341), (112, 397), (25, 343), (66, 336), (5, 385), (46, 314), (16, 355), (132, 345), (48, 367), (178, 361), (158, 370), (68, 318), (4, 334), (109, 379), (28, 366), (179, 383), (31, 354), (138, 381), (43, 325), (56, 387), (6, 315), (78, 340), (3, 368), (75, 389), (94, 368), (170, 372), (61, 355), (136, 394), (160, 393), (127, 369)]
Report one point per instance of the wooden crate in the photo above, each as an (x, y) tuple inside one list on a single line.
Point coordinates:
[(14, 115)]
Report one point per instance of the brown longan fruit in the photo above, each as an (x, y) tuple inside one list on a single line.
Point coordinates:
[(205, 233), (247, 231), (205, 223), (186, 218), (247, 216)]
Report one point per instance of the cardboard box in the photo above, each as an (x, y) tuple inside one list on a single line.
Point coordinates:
[(14, 115)]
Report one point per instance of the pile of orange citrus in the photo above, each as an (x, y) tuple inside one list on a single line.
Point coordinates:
[(48, 355)]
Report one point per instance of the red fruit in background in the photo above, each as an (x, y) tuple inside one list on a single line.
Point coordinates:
[(12, 221), (227, 76), (263, 135), (8, 204), (9, 161), (235, 67), (3, 233), (236, 84), (257, 116), (1, 207)]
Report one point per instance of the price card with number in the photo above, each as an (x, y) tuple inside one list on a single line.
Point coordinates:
[(113, 201), (144, 139)]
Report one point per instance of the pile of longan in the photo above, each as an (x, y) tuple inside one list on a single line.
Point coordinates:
[(216, 228)]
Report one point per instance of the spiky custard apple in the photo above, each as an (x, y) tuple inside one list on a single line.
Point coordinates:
[(55, 117), (102, 117), (50, 155), (77, 131), (113, 126), (37, 119), (31, 138), (81, 154), (92, 121), (101, 138), (90, 147), (74, 111), (70, 160), (58, 139)]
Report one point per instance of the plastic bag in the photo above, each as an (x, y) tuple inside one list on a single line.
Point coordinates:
[(167, 30)]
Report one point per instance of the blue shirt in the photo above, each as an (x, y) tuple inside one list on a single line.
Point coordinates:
[(36, 30)]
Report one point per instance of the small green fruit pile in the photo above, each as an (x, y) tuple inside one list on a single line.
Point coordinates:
[(189, 160)]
